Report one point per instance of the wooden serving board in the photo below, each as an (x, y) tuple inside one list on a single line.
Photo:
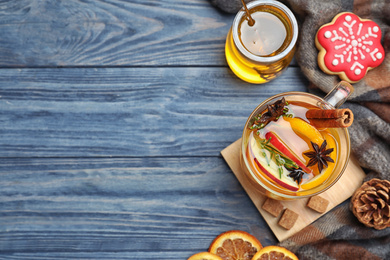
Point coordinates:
[(342, 190)]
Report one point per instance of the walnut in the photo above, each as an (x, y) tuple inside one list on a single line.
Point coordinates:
[(371, 204)]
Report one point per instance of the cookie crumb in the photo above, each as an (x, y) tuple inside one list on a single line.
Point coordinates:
[(318, 204), (273, 207), (288, 219)]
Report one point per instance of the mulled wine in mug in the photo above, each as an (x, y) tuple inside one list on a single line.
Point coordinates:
[(296, 144)]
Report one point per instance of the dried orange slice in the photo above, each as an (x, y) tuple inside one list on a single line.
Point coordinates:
[(274, 252), (235, 245), (204, 256)]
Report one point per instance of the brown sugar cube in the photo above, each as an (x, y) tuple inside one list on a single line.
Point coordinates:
[(273, 207), (318, 204), (288, 219)]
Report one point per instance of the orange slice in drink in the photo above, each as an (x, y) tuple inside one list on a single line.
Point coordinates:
[(320, 178), (274, 252), (204, 256), (305, 130), (235, 245)]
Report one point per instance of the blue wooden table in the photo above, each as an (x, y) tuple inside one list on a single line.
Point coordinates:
[(113, 116)]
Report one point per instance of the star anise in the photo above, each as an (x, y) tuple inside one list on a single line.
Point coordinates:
[(296, 174), (319, 156), (274, 111)]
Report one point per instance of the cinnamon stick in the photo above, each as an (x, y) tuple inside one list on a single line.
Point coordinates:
[(330, 118)]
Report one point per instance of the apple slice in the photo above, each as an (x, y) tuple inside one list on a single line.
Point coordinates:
[(278, 144), (270, 168)]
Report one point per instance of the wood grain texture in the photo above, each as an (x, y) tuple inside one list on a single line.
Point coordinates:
[(113, 115), (128, 111), (111, 33), (131, 208)]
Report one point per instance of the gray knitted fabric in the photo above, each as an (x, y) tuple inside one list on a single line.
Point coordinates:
[(338, 234)]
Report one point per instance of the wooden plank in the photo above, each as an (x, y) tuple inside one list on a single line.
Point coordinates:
[(120, 208), (112, 33), (127, 111)]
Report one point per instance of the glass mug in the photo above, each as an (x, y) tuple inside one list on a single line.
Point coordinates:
[(255, 161), (259, 53)]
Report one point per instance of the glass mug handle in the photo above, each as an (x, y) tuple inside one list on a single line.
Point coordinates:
[(337, 96)]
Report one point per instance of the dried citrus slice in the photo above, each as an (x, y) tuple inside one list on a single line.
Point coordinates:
[(305, 130), (274, 252), (235, 245), (320, 178), (204, 256)]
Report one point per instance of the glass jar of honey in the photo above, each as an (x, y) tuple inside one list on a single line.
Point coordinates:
[(259, 52)]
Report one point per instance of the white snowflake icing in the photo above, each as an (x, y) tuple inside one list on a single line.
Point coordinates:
[(353, 44)]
